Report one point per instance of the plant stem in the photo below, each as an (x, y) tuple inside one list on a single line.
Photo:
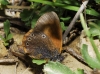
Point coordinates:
[(89, 36)]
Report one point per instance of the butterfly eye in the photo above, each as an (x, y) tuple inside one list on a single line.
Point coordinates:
[(29, 39), (27, 44), (43, 36)]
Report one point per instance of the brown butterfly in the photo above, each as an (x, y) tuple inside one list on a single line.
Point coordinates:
[(44, 41)]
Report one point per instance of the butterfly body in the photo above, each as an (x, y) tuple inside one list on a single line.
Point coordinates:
[(45, 40)]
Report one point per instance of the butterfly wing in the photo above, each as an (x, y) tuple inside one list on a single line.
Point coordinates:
[(45, 40), (50, 25)]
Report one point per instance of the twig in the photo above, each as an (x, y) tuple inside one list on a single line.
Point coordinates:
[(16, 67), (83, 6), (7, 61), (26, 70), (18, 7), (73, 53)]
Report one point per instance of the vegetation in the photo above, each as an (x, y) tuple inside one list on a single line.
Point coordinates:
[(8, 36), (66, 10)]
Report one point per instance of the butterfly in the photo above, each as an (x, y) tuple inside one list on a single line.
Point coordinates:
[(44, 41)]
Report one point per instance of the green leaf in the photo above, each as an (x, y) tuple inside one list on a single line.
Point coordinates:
[(94, 28), (94, 25), (89, 11), (38, 62), (4, 2), (6, 44), (92, 12), (9, 37), (92, 62), (7, 27), (72, 2), (94, 31), (75, 8), (65, 19), (63, 26), (26, 15), (28, 23), (97, 21), (97, 1), (79, 71), (7, 33), (56, 68), (34, 5), (34, 20), (45, 8), (2, 38)]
